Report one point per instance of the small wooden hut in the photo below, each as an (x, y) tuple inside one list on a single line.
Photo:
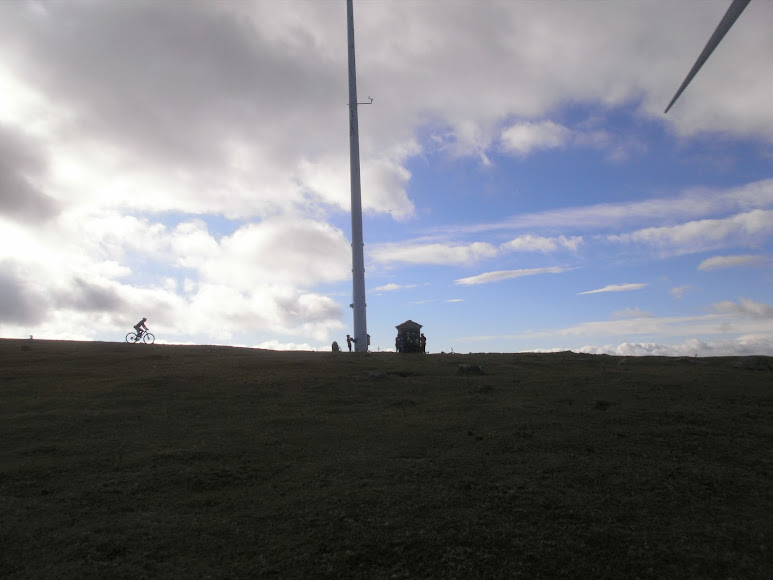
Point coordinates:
[(408, 335)]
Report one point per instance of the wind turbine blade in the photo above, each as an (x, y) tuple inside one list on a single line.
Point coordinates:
[(727, 22)]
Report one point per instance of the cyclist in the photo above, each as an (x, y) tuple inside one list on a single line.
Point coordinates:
[(140, 328)]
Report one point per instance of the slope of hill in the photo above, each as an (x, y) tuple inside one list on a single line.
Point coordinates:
[(130, 461)]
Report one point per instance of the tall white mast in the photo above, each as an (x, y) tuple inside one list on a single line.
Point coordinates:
[(358, 258)]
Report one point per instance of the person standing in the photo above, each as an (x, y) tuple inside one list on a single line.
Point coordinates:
[(423, 342), (349, 341)]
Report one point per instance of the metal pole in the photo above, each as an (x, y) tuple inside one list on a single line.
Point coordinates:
[(358, 257)]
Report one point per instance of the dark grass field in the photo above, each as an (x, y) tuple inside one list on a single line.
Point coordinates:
[(137, 461)]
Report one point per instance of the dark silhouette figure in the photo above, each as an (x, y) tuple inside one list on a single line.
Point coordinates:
[(423, 342), (140, 328), (349, 341)]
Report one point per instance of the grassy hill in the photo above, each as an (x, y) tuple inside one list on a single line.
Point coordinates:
[(137, 461)]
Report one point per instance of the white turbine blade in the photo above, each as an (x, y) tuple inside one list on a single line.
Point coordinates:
[(727, 22)]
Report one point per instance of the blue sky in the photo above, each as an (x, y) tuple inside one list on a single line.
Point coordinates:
[(523, 190)]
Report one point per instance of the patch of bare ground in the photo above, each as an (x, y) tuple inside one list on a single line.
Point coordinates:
[(138, 461)]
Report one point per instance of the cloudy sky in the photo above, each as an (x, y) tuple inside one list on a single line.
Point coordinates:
[(187, 161)]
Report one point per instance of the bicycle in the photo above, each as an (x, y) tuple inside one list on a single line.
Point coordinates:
[(146, 337)]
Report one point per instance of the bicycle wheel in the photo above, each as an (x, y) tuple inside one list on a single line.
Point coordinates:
[(148, 338), (131, 337)]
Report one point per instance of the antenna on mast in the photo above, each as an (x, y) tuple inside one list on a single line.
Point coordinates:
[(358, 257)]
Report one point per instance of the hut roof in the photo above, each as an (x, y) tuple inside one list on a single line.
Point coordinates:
[(408, 325)]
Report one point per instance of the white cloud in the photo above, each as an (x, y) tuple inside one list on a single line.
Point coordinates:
[(530, 243), (189, 164), (741, 346), (632, 313), (615, 288), (745, 308), (384, 179), (678, 292), (548, 46), (432, 253), (391, 287), (282, 250), (256, 279), (277, 345), (523, 138), (499, 275), (450, 254), (719, 262), (526, 137), (719, 325), (743, 229), (690, 204)]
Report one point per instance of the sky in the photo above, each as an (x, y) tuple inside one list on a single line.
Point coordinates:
[(188, 162)]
